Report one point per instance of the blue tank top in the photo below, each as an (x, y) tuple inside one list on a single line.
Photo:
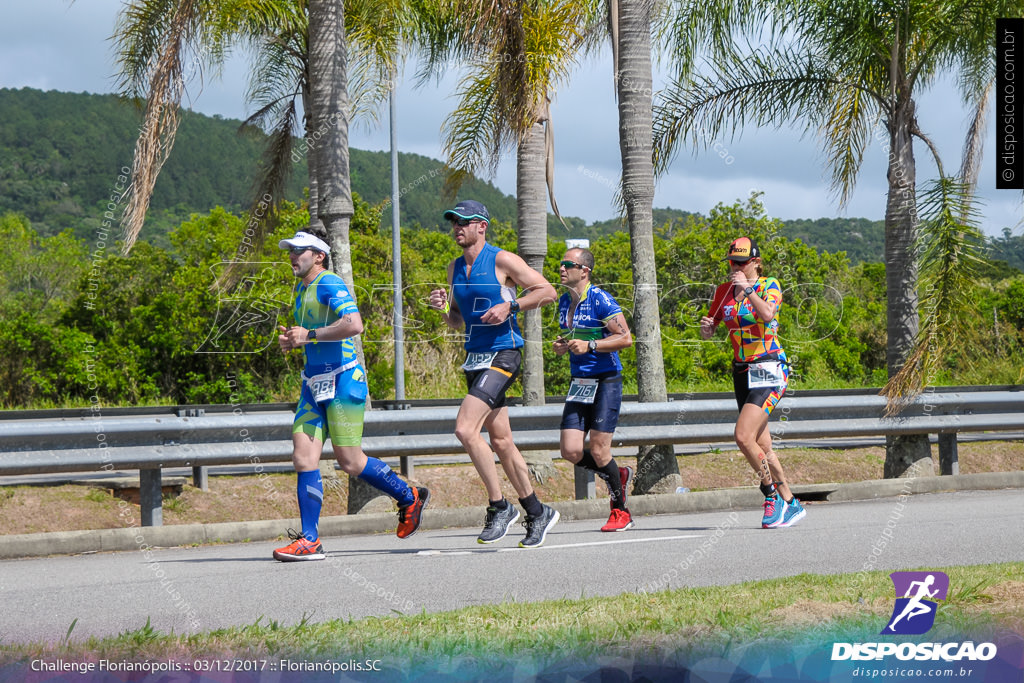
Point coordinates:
[(475, 295)]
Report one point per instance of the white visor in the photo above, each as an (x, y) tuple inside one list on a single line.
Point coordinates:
[(304, 239)]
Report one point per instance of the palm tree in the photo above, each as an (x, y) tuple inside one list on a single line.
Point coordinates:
[(160, 43), (519, 53), (850, 70), (631, 22)]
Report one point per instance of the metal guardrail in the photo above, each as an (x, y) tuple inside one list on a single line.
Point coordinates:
[(152, 441)]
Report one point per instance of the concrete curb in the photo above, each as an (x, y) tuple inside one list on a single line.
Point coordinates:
[(746, 498)]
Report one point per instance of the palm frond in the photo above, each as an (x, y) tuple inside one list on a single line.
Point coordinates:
[(473, 135), (952, 248), (268, 193), (166, 85), (277, 75), (768, 88), (846, 134), (970, 165)]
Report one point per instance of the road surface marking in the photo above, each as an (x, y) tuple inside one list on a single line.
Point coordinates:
[(555, 547)]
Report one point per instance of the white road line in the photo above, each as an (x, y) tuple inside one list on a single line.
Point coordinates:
[(557, 547)]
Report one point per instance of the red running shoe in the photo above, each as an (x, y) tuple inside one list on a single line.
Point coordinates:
[(620, 520), (409, 515), (300, 549)]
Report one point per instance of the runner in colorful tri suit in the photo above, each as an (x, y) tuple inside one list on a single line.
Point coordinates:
[(593, 331), (483, 285), (333, 396), (748, 304)]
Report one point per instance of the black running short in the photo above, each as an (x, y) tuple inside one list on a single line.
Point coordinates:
[(490, 384)]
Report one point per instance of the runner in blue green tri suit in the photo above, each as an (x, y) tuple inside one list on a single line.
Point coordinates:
[(333, 396), (483, 285), (593, 331)]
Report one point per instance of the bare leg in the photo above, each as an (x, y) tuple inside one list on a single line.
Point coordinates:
[(512, 460), (755, 442), (306, 452), (764, 442), (468, 424), (571, 445)]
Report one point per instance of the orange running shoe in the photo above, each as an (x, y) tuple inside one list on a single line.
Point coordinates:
[(409, 515), (620, 520), (300, 549)]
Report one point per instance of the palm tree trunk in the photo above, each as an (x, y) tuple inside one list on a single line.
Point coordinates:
[(657, 470), (329, 95), (328, 86), (532, 229), (904, 455), (311, 166)]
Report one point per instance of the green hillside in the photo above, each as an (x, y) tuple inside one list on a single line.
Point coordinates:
[(61, 155)]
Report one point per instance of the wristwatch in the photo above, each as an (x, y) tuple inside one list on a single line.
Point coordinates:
[(748, 291), (311, 336), (592, 345), (513, 307)]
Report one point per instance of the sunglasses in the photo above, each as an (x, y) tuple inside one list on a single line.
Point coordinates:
[(569, 265), (298, 250), (463, 222)]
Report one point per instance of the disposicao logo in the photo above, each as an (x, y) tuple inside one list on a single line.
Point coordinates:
[(914, 614)]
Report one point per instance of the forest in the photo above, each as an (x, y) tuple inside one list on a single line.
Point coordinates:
[(85, 325)]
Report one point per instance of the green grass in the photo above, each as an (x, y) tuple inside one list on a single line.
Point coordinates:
[(792, 612)]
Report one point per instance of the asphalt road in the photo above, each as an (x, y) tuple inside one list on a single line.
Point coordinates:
[(194, 589)]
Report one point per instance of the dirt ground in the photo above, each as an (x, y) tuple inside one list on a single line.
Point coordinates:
[(31, 509)]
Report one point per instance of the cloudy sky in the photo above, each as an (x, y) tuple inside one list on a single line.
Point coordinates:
[(54, 45)]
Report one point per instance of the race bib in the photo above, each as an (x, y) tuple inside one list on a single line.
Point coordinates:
[(766, 374), (582, 390), (479, 360), (322, 386)]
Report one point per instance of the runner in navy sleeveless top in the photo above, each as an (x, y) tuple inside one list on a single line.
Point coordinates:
[(484, 299)]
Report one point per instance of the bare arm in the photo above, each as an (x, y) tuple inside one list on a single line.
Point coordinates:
[(348, 325), (619, 338), (765, 309), (440, 300), (537, 291)]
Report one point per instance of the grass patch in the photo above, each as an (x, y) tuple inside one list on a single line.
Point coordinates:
[(797, 612)]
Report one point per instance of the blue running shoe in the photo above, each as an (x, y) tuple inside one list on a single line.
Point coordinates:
[(774, 511), (794, 513)]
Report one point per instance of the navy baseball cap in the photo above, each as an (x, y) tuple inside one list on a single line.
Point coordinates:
[(468, 209)]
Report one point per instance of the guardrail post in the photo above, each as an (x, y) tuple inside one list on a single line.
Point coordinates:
[(151, 497), (405, 465), (201, 478), (584, 483), (949, 457)]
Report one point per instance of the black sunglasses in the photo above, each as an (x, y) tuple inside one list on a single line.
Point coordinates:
[(463, 222), (299, 250)]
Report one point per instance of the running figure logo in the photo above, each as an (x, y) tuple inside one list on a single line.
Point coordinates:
[(914, 613)]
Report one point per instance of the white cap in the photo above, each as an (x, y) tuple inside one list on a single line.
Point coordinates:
[(304, 239)]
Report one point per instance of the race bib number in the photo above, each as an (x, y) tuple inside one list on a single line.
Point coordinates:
[(479, 360), (766, 374), (582, 390), (322, 386)]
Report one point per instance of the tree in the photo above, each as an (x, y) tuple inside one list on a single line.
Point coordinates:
[(160, 44), (519, 52), (850, 70), (657, 469)]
